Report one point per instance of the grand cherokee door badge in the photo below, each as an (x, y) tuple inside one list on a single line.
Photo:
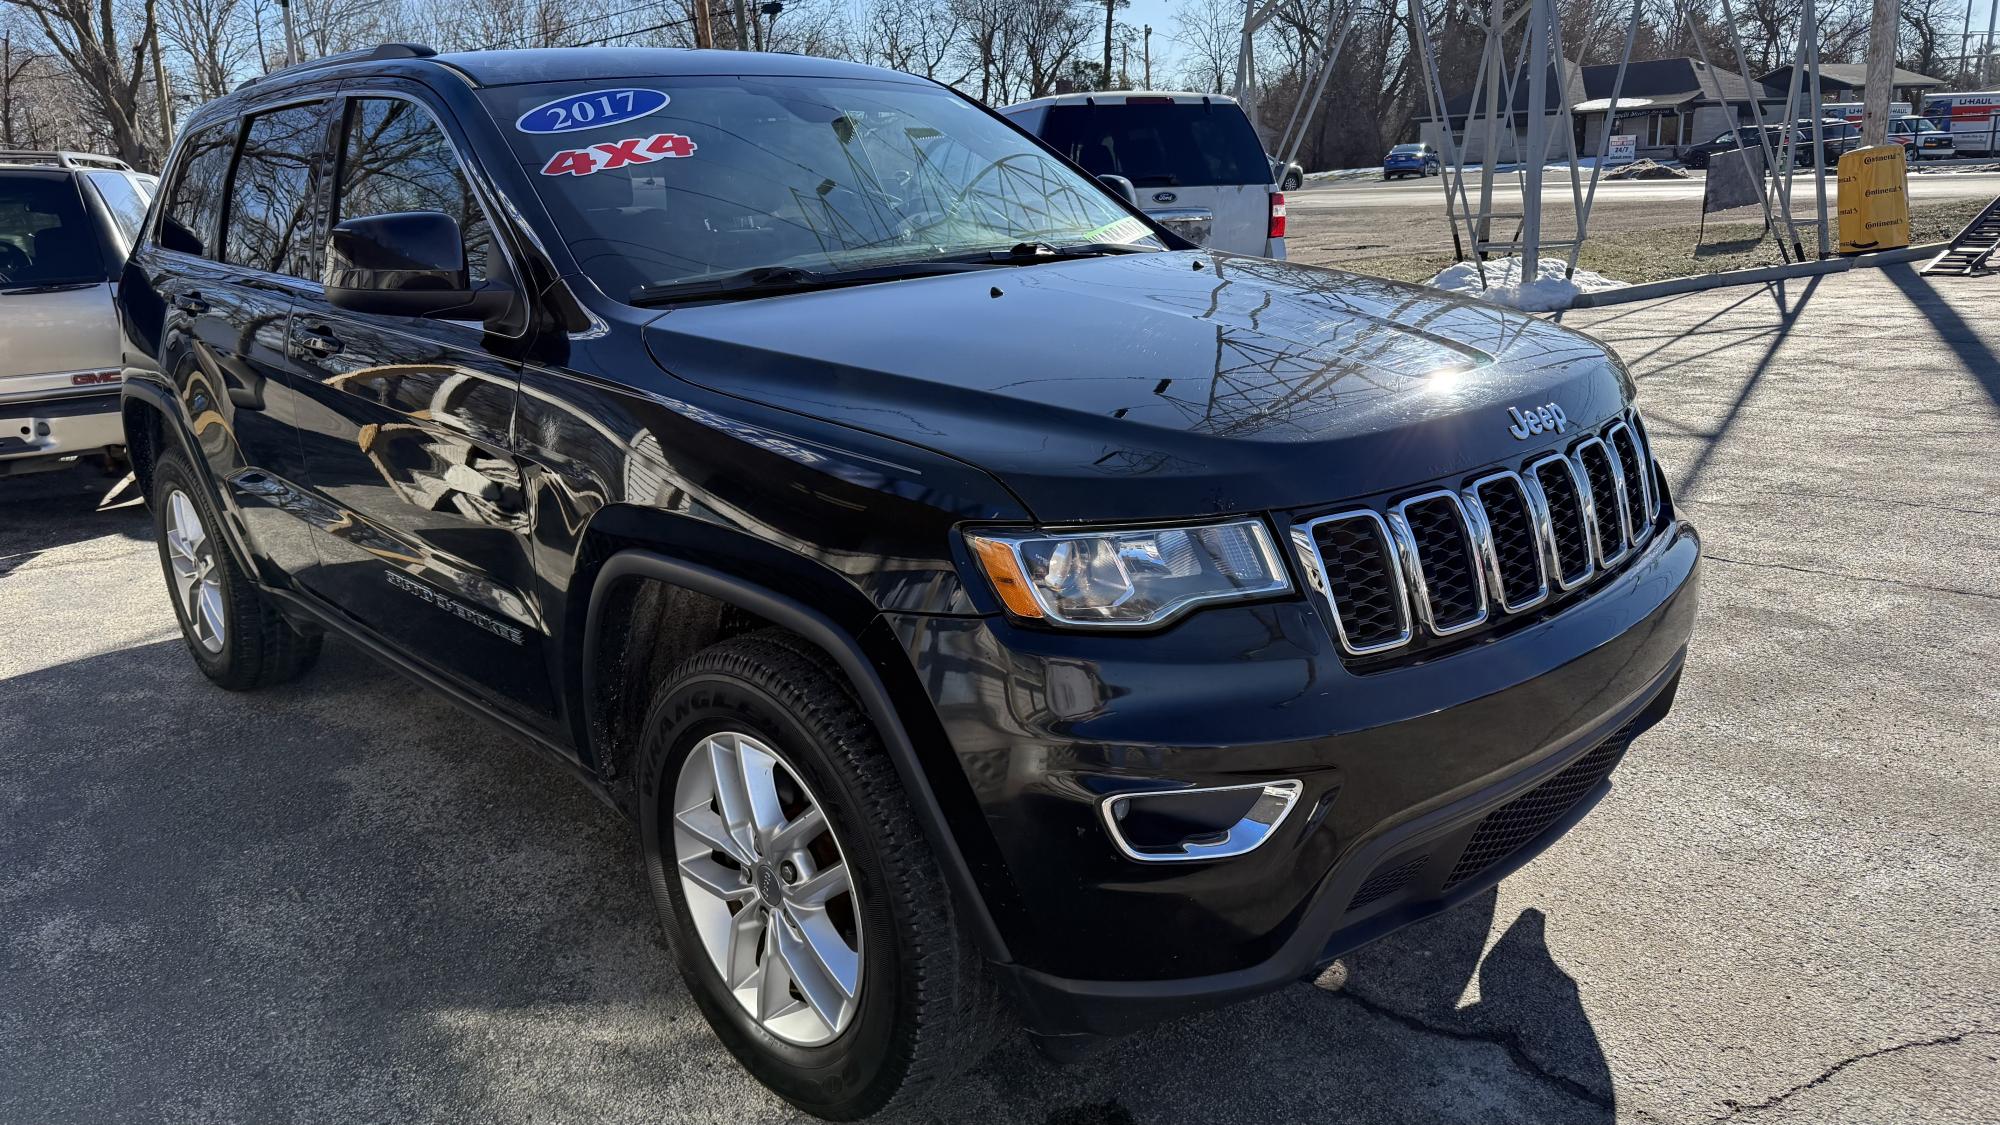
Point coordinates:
[(456, 608)]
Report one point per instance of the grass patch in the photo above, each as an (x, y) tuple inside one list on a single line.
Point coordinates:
[(1668, 252)]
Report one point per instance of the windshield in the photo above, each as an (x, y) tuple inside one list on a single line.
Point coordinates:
[(709, 176), (45, 237)]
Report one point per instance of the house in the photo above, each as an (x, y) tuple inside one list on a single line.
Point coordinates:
[(1848, 82), (1667, 104)]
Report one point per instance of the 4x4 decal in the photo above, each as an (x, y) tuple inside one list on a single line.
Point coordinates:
[(607, 155)]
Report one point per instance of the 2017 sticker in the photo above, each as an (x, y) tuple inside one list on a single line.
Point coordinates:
[(607, 155), (592, 110)]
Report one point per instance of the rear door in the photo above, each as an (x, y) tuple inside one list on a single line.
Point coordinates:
[(408, 426), (1182, 154)]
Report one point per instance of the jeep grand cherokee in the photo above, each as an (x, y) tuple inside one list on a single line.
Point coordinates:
[(991, 610)]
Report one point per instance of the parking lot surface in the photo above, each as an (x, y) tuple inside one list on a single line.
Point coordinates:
[(345, 901)]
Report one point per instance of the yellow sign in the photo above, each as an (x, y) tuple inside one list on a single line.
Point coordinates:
[(1874, 200)]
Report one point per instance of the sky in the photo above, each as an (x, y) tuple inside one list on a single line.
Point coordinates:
[(1159, 13)]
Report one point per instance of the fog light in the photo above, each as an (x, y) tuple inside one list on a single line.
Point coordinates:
[(1182, 825)]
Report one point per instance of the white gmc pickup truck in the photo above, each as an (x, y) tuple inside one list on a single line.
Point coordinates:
[(67, 221)]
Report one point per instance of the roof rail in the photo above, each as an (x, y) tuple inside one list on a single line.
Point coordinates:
[(367, 54), (62, 158)]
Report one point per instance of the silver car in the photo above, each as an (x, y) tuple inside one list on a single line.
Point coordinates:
[(67, 221), (1195, 164)]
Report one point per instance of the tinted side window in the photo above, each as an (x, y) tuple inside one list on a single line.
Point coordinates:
[(121, 197), (1165, 145), (195, 205), (45, 236), (394, 157), (272, 196)]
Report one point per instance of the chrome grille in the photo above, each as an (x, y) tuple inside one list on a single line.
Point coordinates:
[(1445, 562), (1604, 509), (1568, 528), (1441, 562), (1350, 558), (1515, 563)]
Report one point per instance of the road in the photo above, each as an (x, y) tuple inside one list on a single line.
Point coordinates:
[(342, 901), (1429, 193)]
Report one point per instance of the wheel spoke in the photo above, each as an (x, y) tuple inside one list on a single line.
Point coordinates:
[(796, 832), (716, 879), (703, 824), (211, 610), (746, 936), (729, 793), (760, 788), (774, 994), (829, 951), (818, 986), (821, 888)]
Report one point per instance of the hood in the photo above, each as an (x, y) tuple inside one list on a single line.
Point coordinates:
[(1158, 385)]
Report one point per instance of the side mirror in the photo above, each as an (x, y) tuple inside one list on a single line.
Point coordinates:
[(1122, 186), (408, 263)]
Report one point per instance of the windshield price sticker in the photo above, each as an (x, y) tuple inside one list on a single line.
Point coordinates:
[(608, 155), (593, 110)]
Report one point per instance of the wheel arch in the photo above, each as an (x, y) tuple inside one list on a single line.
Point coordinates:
[(699, 564)]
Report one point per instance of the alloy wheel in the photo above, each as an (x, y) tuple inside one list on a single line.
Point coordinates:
[(196, 570), (768, 889)]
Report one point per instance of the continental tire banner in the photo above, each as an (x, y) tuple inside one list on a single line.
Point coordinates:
[(1874, 200)]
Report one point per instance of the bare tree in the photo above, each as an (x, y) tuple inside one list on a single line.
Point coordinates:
[(917, 36), (90, 39), (1208, 30), (209, 33)]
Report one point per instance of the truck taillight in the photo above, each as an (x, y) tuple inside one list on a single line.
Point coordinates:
[(1277, 215)]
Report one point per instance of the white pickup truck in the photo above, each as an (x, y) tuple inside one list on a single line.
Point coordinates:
[(67, 221)]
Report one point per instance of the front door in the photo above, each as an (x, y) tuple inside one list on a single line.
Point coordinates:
[(407, 426)]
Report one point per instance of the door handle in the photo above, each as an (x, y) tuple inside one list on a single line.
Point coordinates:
[(320, 341), (190, 303)]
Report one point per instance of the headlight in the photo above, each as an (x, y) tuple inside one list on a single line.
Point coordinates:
[(1128, 579)]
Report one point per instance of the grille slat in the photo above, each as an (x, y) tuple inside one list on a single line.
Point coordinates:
[(1638, 485), (1451, 595), (1569, 533), (1519, 578), (1358, 566), (1607, 499)]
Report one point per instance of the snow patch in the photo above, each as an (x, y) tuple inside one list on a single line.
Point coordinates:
[(1548, 292)]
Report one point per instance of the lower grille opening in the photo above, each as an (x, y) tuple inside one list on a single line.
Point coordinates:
[(1514, 824), (1387, 881)]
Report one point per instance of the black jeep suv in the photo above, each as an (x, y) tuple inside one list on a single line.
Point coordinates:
[(990, 610)]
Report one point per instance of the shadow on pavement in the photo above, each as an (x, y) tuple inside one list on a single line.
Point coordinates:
[(340, 900), (42, 511), (1973, 354)]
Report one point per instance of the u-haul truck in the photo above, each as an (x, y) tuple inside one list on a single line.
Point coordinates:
[(1972, 119)]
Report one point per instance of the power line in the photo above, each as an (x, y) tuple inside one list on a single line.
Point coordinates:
[(634, 31), (522, 40)]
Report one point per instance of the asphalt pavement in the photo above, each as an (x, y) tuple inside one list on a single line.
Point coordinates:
[(342, 901)]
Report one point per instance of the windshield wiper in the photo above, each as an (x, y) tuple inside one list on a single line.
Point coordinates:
[(31, 287), (1029, 252), (765, 281)]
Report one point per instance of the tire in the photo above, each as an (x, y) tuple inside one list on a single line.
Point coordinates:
[(235, 634), (925, 1006), (1293, 181)]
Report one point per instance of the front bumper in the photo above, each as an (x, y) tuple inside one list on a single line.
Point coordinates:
[(1401, 768), (34, 435)]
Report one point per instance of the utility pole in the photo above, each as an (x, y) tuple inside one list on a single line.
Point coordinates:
[(1985, 56), (704, 25), (1125, 66), (1147, 56), (6, 92), (1881, 73), (166, 105), (1109, 6), (292, 56)]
